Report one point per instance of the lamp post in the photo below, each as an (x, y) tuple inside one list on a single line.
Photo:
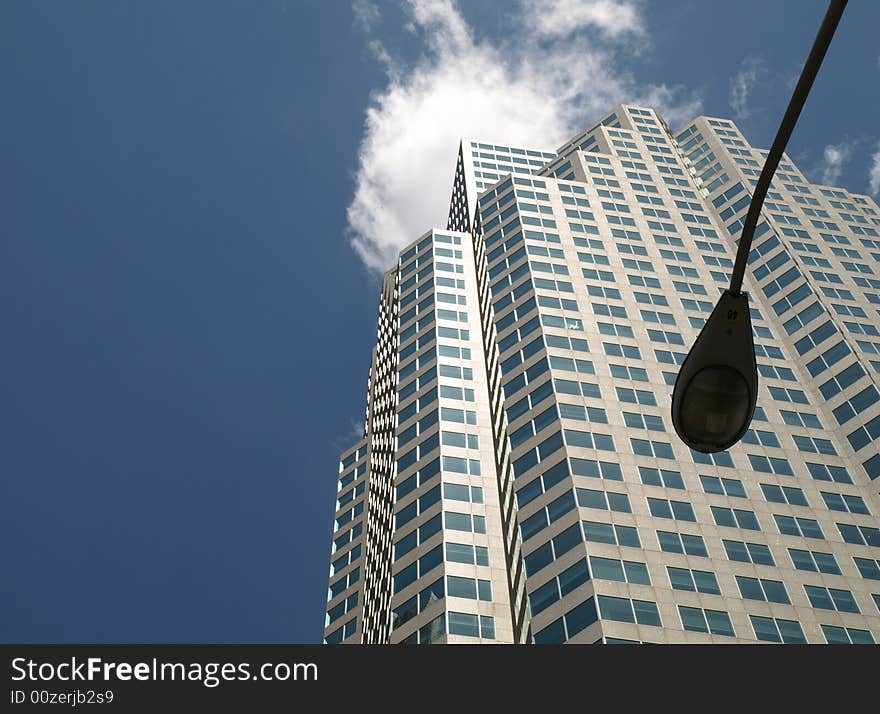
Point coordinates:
[(714, 397)]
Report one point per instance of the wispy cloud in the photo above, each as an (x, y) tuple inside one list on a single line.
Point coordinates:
[(346, 439), (833, 159), (366, 15), (741, 85), (524, 91), (874, 173)]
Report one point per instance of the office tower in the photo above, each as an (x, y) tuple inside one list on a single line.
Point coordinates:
[(519, 479)]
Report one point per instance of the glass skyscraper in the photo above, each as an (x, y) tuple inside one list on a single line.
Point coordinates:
[(519, 479)]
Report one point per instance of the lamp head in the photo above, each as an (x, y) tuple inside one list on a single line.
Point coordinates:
[(714, 397)]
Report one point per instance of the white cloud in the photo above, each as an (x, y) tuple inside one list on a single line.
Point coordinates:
[(874, 173), (741, 85), (560, 18), (523, 92), (833, 158)]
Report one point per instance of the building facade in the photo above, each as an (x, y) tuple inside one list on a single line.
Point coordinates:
[(519, 480)]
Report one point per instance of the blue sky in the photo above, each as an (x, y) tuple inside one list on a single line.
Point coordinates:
[(197, 197)]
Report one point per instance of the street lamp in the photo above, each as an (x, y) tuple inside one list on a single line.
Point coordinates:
[(714, 397)]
